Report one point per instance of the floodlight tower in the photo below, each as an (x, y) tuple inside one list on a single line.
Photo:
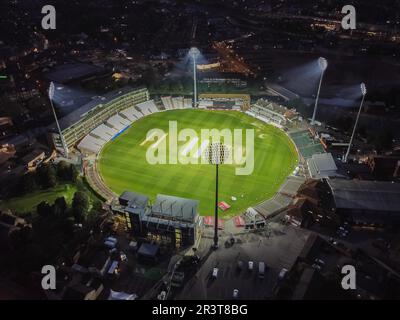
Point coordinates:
[(216, 153), (323, 64), (363, 92), (51, 96), (194, 53)]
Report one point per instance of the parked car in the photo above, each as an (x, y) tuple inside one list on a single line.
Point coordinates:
[(215, 273), (320, 262), (282, 273), (123, 256), (261, 270), (317, 267), (251, 265)]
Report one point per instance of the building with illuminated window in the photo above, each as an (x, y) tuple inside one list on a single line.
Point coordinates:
[(169, 220)]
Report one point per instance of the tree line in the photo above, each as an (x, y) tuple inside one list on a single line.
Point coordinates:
[(46, 176)]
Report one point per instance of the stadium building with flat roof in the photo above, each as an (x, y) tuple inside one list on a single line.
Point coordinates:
[(80, 122), (170, 220), (366, 202)]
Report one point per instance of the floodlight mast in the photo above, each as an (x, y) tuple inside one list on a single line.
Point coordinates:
[(364, 93), (194, 52), (51, 96), (216, 153), (323, 64)]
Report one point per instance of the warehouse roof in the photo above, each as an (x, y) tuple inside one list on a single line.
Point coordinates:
[(366, 195)]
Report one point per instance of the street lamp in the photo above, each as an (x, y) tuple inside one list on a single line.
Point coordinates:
[(216, 153), (363, 92), (51, 96), (323, 64), (194, 52)]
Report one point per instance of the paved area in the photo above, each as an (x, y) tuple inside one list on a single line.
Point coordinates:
[(278, 247)]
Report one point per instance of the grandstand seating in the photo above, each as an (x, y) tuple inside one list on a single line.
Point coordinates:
[(94, 141), (117, 122), (137, 113), (91, 144), (187, 103), (105, 132), (147, 107), (167, 102), (128, 113), (170, 103), (282, 199), (269, 114), (204, 104), (305, 144), (177, 102)]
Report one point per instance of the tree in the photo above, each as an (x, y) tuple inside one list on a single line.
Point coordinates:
[(60, 207), (47, 176), (80, 206), (44, 210), (73, 173), (63, 170), (27, 183), (20, 237)]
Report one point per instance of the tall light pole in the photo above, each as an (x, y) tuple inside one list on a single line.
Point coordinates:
[(194, 52), (216, 153), (51, 96), (323, 64), (363, 92)]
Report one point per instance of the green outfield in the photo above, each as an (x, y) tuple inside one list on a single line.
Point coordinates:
[(123, 165)]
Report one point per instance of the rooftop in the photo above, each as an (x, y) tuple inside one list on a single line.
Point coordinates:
[(366, 195), (322, 166), (135, 200), (171, 207), (73, 71), (96, 102)]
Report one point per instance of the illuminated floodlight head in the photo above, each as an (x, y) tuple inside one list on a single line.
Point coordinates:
[(323, 63), (51, 90), (216, 153), (194, 52), (363, 89)]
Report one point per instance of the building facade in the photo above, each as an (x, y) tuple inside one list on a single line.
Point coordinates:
[(170, 221), (80, 122)]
